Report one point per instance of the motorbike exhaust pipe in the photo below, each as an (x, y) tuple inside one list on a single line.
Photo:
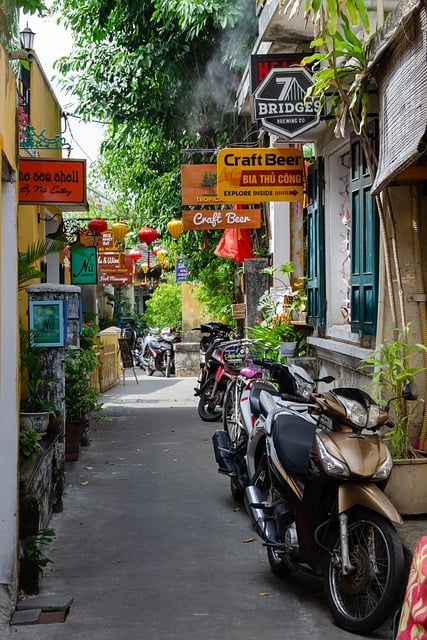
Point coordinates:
[(223, 452), (264, 526)]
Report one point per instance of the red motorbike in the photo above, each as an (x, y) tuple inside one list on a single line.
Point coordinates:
[(223, 362)]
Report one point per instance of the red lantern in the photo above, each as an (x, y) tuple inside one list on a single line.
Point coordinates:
[(97, 225), (147, 234), (134, 255)]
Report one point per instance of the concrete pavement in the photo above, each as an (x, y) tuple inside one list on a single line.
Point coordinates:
[(149, 544)]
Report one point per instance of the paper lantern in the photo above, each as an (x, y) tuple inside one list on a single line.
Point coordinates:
[(97, 225), (134, 255), (175, 228), (145, 266), (119, 230), (147, 234), (161, 255), (155, 249)]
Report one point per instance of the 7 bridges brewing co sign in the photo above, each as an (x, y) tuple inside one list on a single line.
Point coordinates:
[(281, 104)]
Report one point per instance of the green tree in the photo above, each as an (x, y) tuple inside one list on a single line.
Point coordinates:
[(164, 308)]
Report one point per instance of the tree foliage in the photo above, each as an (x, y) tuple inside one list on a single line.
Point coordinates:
[(164, 308)]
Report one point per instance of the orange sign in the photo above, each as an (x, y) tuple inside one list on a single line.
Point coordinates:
[(59, 182), (253, 175), (198, 184), (222, 219)]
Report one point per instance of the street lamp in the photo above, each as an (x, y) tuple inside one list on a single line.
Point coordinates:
[(27, 38)]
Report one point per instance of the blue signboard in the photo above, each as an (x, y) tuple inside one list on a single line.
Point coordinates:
[(181, 270)]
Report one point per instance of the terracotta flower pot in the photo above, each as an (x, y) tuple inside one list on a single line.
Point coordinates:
[(73, 433)]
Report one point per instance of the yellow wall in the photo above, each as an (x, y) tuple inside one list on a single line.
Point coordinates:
[(45, 116)]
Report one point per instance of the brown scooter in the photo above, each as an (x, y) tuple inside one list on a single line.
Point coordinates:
[(321, 506)]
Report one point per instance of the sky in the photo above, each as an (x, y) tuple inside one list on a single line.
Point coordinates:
[(50, 43)]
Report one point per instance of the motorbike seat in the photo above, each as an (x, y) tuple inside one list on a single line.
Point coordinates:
[(256, 388), (292, 438)]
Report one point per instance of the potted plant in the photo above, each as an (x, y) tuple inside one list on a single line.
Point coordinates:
[(29, 449), (276, 330), (391, 368), (81, 399), (36, 406), (33, 560)]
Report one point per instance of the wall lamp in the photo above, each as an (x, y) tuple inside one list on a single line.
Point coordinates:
[(27, 43), (27, 38)]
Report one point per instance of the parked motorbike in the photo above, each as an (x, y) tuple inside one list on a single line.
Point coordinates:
[(209, 386), (158, 351), (322, 508), (239, 447)]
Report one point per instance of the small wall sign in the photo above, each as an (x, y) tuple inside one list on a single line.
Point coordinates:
[(47, 322)]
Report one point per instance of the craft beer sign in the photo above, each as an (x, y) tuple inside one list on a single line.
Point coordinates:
[(221, 219), (251, 175), (59, 182)]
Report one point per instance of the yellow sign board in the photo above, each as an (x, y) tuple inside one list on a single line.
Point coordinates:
[(251, 175)]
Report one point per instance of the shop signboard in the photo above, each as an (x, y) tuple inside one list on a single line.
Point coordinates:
[(83, 261), (48, 181), (281, 105), (198, 185), (250, 175), (262, 64), (221, 219)]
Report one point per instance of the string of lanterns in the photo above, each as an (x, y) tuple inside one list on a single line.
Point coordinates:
[(147, 235)]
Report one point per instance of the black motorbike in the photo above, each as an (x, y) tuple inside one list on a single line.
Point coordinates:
[(158, 352), (212, 380)]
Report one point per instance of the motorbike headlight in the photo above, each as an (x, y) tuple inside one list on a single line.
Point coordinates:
[(330, 464), (384, 469), (304, 388), (356, 412)]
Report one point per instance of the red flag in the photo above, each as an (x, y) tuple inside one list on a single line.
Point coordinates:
[(235, 244)]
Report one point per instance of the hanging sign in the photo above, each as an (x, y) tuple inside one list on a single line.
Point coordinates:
[(59, 182), (114, 267), (280, 102), (198, 184), (222, 219), (261, 65), (251, 175), (83, 265)]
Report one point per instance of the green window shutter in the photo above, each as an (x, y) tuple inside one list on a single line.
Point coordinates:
[(316, 304), (364, 246)]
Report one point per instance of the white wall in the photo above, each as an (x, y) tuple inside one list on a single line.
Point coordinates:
[(9, 409)]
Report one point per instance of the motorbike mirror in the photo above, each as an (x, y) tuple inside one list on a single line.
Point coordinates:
[(410, 391), (326, 379)]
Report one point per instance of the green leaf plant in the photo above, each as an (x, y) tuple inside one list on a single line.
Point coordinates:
[(391, 369)]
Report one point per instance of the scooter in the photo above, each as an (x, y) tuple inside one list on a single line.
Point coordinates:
[(158, 353), (216, 368), (322, 508), (240, 446), (212, 333)]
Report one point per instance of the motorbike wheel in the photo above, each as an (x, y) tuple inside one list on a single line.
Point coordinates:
[(209, 407), (362, 600), (236, 490), (231, 414)]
